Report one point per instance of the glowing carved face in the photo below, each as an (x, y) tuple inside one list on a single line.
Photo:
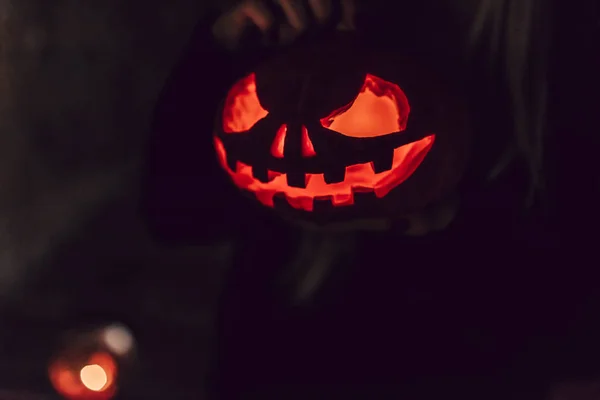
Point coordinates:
[(359, 148)]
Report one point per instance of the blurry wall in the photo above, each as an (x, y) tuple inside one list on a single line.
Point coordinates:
[(78, 81)]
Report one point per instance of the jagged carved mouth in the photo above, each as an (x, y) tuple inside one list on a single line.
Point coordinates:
[(359, 178)]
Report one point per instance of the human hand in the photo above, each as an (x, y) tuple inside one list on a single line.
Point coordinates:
[(280, 22)]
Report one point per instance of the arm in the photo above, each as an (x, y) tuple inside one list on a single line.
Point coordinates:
[(186, 195)]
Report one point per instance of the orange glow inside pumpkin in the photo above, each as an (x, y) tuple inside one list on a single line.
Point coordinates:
[(380, 108), (91, 380), (279, 142), (242, 108), (277, 148)]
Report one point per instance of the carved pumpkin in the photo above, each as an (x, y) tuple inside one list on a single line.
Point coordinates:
[(324, 136)]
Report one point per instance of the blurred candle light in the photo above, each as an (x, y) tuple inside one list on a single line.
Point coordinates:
[(91, 378), (118, 339), (92, 361)]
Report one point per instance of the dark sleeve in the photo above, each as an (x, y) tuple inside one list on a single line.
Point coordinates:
[(186, 195), (573, 120), (573, 115)]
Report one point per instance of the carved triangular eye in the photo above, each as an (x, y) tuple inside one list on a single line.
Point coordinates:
[(381, 108), (242, 107)]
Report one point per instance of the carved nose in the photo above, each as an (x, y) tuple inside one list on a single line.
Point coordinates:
[(279, 145), (308, 150)]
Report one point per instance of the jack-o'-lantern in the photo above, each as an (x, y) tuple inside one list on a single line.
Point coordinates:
[(329, 131)]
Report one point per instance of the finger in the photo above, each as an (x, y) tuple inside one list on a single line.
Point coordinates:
[(418, 225), (287, 34), (256, 12), (321, 9), (436, 218), (443, 215), (230, 27), (294, 13), (348, 19)]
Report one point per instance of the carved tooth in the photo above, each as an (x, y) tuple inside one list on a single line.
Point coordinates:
[(383, 162), (296, 180), (335, 175), (323, 205), (363, 199), (280, 202), (232, 163), (261, 174)]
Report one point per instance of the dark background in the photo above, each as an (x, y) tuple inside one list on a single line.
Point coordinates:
[(79, 82), (78, 88)]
